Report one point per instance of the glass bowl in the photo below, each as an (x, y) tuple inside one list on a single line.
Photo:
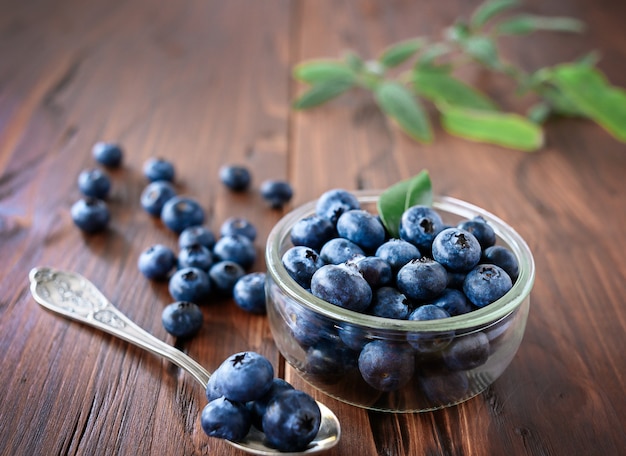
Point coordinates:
[(448, 360)]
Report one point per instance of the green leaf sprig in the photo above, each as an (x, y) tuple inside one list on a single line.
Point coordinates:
[(576, 88), (399, 197)]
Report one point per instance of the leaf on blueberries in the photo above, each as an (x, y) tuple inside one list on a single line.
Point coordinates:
[(322, 92), (528, 23), (508, 130), (439, 86), (400, 52), (316, 71), (399, 197), (589, 91), (400, 104)]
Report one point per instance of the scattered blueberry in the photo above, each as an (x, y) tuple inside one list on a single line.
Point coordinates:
[(236, 248), (240, 226), (235, 177), (223, 276), (182, 319), (180, 212), (249, 292), (155, 195), (189, 284), (108, 154), (276, 192), (197, 234), (90, 214), (195, 255), (156, 262), (94, 183), (156, 169)]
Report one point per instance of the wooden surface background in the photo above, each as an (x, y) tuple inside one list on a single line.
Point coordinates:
[(204, 83)]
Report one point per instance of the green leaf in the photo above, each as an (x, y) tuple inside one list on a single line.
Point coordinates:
[(400, 52), (488, 10), (527, 23), (539, 112), (431, 53), (317, 71), (322, 92), (482, 49), (508, 130), (400, 104), (396, 199), (588, 89), (439, 86), (354, 61)]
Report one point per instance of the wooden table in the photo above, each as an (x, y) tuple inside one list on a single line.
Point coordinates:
[(205, 83)]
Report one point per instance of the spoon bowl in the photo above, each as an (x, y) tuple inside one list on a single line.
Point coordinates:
[(75, 297)]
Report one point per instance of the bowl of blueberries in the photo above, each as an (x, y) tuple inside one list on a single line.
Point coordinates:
[(406, 313)]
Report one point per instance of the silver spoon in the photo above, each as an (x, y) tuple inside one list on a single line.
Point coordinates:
[(75, 297)]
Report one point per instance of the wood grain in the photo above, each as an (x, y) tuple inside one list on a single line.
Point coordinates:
[(205, 83)]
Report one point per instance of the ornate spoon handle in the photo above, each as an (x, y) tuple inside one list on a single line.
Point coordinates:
[(75, 297)]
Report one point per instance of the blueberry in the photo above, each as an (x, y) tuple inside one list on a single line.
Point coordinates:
[(442, 387), (452, 301), (328, 360), (156, 262), (238, 225), (419, 225), (90, 214), (258, 407), (335, 202), (503, 257), (456, 249), (156, 169), (236, 248), (212, 388), (342, 286), (353, 336), (306, 327), (189, 284), (429, 342), (225, 419), (456, 279), (362, 228), (224, 275), (249, 292), (301, 263), (485, 284), (196, 234), (244, 376), (276, 192), (376, 271), (94, 183), (155, 195), (388, 302), (108, 154), (397, 253), (196, 256), (235, 177), (422, 279), (291, 421), (386, 365), (483, 232), (312, 231), (467, 352), (182, 319), (180, 212), (340, 250)]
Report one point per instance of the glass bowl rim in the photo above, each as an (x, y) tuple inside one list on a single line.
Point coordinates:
[(478, 318)]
